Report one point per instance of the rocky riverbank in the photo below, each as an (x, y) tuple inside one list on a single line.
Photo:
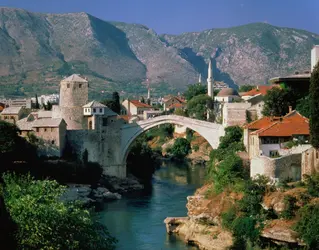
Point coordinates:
[(203, 227), (107, 189)]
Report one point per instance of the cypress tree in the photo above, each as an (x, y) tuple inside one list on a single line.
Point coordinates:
[(314, 107), (37, 105), (116, 102)]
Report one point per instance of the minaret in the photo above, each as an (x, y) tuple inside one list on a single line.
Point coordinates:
[(200, 78), (148, 93), (210, 89)]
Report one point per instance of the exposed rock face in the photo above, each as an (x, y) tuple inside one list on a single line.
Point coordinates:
[(40, 49)]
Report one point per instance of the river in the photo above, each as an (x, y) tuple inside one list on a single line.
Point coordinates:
[(137, 221)]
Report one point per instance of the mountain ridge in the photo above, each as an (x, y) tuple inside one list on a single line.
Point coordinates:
[(38, 49)]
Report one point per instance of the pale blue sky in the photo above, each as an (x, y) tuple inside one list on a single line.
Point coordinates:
[(177, 16)]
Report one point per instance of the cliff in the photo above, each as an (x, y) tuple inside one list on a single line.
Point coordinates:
[(203, 224)]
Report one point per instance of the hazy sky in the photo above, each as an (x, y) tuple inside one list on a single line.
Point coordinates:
[(177, 16)]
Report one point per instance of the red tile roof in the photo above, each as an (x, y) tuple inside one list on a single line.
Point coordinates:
[(260, 90), (289, 125), (262, 123), (176, 105), (139, 104)]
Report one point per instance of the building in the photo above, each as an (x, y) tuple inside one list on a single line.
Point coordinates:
[(73, 96), (256, 98), (151, 114), (234, 114), (268, 135), (314, 56), (227, 95), (49, 131), (44, 99), (171, 102), (19, 102), (97, 113), (134, 108), (13, 114)]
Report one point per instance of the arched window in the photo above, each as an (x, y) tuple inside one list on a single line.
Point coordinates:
[(90, 124)]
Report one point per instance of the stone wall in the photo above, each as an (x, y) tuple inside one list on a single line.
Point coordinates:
[(285, 167), (310, 162), (73, 116), (235, 114)]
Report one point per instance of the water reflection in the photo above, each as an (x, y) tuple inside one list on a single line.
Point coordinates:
[(137, 221)]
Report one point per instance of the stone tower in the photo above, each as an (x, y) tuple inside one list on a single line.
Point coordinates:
[(73, 96), (210, 88)]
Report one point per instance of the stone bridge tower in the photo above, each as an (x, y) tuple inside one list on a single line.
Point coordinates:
[(73, 95)]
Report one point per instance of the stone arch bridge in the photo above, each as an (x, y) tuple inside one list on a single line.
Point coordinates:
[(109, 146), (129, 132)]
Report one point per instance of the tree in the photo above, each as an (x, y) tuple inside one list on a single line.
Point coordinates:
[(195, 90), (45, 222), (303, 106), (246, 88), (314, 107), (197, 106), (181, 148), (277, 102), (116, 102), (49, 106), (142, 99), (37, 105), (180, 112)]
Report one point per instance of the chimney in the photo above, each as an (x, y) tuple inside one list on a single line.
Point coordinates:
[(290, 109), (257, 87)]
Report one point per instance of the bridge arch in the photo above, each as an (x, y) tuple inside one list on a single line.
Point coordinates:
[(210, 131)]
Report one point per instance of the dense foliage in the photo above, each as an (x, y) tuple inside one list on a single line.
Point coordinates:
[(113, 103), (141, 159), (180, 148), (314, 107), (12, 146), (246, 88), (45, 222), (197, 106), (277, 102), (195, 90), (303, 106)]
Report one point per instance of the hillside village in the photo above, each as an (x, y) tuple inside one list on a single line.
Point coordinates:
[(267, 139)]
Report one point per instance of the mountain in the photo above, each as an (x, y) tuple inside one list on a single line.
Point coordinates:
[(37, 50)]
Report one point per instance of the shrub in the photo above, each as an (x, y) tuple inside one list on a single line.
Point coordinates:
[(308, 225), (45, 222), (228, 218), (290, 207), (196, 147), (312, 184), (232, 134), (181, 148)]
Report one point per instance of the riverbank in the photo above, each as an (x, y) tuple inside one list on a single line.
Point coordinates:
[(203, 225)]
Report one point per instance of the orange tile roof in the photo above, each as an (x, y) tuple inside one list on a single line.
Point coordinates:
[(291, 124), (262, 123), (139, 104), (176, 105), (125, 117), (261, 90)]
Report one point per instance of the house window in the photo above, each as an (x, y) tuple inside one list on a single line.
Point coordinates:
[(68, 85), (52, 142), (45, 130), (90, 124), (317, 156), (12, 117), (52, 129), (94, 110), (37, 129), (273, 153), (80, 85), (101, 111)]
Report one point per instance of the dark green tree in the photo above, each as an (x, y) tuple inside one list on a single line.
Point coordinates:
[(37, 105), (181, 148), (303, 106), (49, 106), (197, 106), (44, 221), (277, 102), (314, 107), (142, 99), (246, 88), (116, 102), (195, 90)]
